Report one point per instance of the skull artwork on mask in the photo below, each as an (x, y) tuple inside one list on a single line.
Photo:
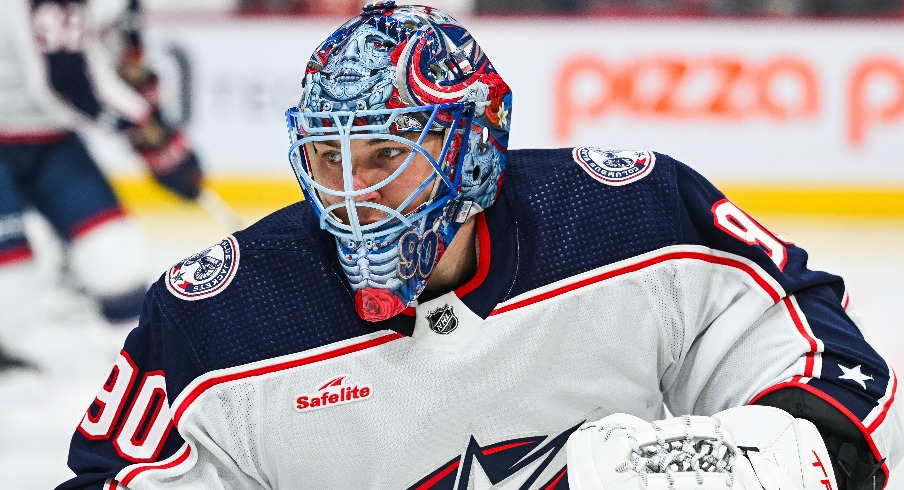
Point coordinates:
[(355, 77), (479, 170)]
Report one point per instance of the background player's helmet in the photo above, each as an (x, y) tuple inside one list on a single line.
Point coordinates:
[(395, 70)]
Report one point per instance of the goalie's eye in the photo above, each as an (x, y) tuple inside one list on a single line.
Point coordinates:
[(391, 152), (333, 157)]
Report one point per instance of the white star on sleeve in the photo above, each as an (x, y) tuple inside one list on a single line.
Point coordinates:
[(854, 374)]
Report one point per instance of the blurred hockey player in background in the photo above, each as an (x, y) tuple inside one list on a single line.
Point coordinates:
[(65, 65), (445, 313)]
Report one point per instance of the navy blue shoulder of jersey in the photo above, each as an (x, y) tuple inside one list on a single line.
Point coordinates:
[(707, 217), (287, 296), (570, 222)]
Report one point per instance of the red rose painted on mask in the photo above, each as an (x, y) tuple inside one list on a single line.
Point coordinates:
[(498, 90), (497, 87), (375, 305)]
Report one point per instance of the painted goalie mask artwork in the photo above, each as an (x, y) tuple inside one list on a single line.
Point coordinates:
[(406, 75)]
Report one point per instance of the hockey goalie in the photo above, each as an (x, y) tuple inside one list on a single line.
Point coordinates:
[(442, 312)]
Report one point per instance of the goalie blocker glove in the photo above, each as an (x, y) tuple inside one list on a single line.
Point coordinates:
[(855, 466), (164, 149), (743, 448), (167, 155), (135, 72)]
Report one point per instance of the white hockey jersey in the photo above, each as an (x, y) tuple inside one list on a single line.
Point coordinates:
[(250, 368), (58, 67)]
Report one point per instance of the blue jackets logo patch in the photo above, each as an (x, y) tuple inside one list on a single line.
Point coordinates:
[(614, 167), (205, 274)]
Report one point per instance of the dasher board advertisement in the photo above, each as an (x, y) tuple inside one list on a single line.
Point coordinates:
[(780, 101)]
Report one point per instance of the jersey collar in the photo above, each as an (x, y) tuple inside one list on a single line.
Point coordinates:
[(497, 238)]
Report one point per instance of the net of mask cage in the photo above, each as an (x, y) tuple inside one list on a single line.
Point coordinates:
[(368, 171)]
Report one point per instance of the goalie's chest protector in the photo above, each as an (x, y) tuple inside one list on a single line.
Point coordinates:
[(571, 316)]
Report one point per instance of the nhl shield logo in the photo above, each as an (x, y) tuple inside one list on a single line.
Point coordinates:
[(205, 274), (614, 167), (442, 320)]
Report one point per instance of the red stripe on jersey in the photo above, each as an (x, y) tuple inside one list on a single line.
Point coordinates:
[(181, 458), (211, 382), (643, 265), (16, 254), (795, 317), (876, 423), (93, 222), (493, 450), (555, 482), (439, 476), (483, 261), (841, 408), (37, 138)]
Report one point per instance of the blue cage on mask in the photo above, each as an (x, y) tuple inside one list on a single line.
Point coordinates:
[(445, 181), (398, 74)]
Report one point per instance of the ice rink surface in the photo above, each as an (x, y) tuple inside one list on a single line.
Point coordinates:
[(38, 412)]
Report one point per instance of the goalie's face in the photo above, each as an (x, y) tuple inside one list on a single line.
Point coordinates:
[(372, 162), (371, 174)]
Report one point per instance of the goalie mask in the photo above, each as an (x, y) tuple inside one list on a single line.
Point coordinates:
[(406, 77)]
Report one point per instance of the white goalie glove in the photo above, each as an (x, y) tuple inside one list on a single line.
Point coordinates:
[(744, 448)]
